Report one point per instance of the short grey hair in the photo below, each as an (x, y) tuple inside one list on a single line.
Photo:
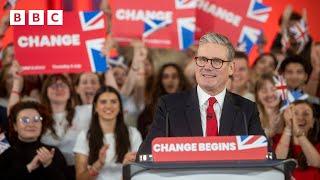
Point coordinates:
[(218, 39)]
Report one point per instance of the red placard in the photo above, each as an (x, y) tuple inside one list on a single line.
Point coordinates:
[(209, 148), (169, 24), (70, 48)]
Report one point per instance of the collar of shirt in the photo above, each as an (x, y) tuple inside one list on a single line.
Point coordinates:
[(203, 97)]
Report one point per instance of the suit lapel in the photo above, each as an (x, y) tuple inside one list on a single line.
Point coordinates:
[(228, 115), (193, 113)]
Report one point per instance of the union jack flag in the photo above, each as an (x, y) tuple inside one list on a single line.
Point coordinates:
[(293, 96), (300, 33), (185, 25), (248, 38), (152, 25), (115, 59), (98, 61), (258, 11), (4, 144), (92, 20), (281, 87), (186, 29), (251, 142)]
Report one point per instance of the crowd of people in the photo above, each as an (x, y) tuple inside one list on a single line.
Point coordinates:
[(88, 125)]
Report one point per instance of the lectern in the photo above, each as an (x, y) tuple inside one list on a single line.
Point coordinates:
[(225, 170)]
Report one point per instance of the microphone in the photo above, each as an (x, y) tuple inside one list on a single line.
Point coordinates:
[(244, 121), (167, 125)]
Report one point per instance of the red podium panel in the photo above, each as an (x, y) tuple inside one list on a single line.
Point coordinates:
[(175, 149)]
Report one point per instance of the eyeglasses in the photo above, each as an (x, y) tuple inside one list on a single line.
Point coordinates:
[(58, 85), (216, 63), (27, 120)]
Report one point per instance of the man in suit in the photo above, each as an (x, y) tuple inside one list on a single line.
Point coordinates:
[(208, 109)]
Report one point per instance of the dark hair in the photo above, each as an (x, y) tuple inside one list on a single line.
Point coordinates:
[(95, 134), (312, 136), (77, 78), (295, 16), (158, 88), (45, 99), (266, 54), (241, 55), (294, 59), (3, 78), (20, 106)]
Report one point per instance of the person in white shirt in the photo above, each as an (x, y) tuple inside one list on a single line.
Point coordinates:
[(108, 144)]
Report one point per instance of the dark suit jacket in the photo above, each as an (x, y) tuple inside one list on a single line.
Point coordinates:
[(239, 117)]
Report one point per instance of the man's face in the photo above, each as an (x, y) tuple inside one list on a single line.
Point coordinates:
[(265, 65), (210, 79), (241, 73), (295, 75)]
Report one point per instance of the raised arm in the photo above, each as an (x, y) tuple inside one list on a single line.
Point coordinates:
[(136, 70), (17, 85), (282, 148), (313, 83)]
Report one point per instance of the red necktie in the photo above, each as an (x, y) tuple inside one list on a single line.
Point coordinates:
[(212, 124)]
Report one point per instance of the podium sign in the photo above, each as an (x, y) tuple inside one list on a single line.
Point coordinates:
[(175, 149)]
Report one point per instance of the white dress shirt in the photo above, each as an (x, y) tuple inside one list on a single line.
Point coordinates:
[(203, 103)]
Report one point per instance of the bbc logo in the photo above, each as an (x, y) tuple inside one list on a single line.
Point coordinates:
[(36, 17)]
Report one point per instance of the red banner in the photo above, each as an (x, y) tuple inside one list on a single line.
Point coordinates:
[(72, 47), (169, 24), (241, 22), (209, 148)]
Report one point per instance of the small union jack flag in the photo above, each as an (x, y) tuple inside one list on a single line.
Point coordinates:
[(281, 87), (300, 33), (251, 142), (4, 144), (292, 97)]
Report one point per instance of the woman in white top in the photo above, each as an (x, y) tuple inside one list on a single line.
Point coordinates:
[(109, 143), (69, 120)]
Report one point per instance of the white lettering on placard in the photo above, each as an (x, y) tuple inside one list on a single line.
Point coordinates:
[(219, 12), (139, 14), (49, 40), (217, 146), (178, 147), (201, 147)]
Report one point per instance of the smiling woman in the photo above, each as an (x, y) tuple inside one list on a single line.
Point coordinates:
[(28, 158), (269, 103), (109, 143), (299, 140)]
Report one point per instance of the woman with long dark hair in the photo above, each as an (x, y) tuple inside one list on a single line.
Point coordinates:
[(28, 158), (170, 79), (299, 140), (108, 143)]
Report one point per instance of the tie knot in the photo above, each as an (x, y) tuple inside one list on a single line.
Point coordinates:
[(212, 100)]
